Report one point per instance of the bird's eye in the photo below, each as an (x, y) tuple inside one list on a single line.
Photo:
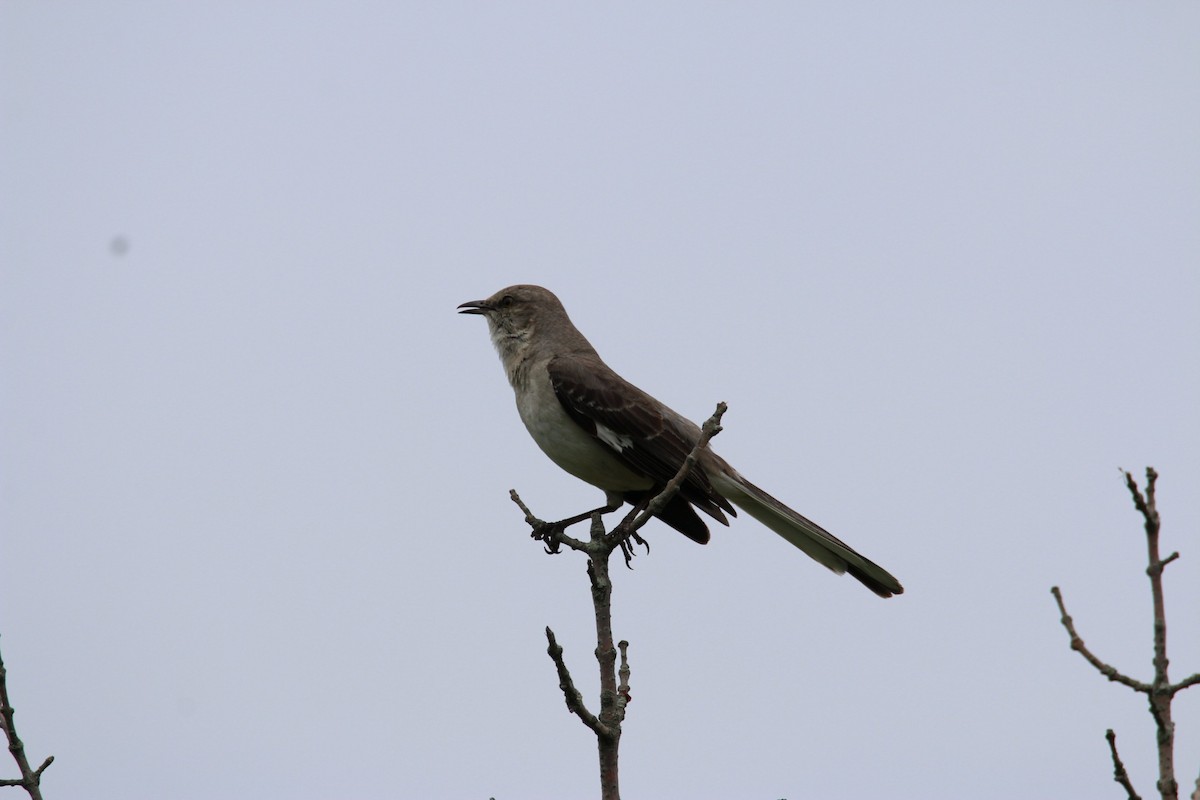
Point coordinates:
[(506, 301)]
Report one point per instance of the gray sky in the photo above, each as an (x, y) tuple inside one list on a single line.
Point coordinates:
[(939, 258)]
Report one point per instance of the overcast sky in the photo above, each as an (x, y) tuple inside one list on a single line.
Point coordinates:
[(941, 260)]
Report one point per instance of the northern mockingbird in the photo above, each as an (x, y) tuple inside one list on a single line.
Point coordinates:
[(604, 430)]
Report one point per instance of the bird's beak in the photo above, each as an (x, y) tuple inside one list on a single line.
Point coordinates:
[(475, 307)]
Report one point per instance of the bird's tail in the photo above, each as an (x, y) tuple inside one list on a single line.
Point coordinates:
[(810, 537)]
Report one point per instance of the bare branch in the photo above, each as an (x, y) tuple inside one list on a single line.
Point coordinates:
[(1140, 501), (37, 773), (516, 498), (1119, 773), (570, 693), (1077, 644), (1160, 697), (1160, 692), (1190, 680), (30, 779), (623, 696), (550, 534), (612, 707)]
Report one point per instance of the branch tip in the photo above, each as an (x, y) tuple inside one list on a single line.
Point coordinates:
[(1119, 774)]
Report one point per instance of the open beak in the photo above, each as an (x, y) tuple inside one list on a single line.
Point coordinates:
[(475, 307)]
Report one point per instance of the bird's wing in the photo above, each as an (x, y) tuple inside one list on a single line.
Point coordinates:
[(646, 435)]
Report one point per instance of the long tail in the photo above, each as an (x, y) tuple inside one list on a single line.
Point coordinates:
[(810, 537)]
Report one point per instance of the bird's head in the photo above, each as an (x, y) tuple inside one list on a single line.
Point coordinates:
[(515, 313)]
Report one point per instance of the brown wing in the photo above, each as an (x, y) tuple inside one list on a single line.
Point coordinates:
[(646, 435)]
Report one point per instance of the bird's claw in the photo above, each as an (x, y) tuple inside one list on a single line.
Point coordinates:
[(626, 540), (548, 534)]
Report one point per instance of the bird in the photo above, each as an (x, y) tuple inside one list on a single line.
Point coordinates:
[(602, 429)]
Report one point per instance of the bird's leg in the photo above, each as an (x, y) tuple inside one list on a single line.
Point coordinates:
[(550, 533), (563, 524), (613, 502)]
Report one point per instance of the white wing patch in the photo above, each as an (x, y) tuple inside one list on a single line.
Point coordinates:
[(613, 439)]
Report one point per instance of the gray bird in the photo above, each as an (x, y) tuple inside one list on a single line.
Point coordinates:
[(604, 430)]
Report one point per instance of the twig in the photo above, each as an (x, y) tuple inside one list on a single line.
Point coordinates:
[(1160, 697), (1110, 672), (30, 779), (1119, 773), (623, 695), (572, 695)]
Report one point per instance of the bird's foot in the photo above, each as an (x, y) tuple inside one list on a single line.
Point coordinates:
[(626, 541), (549, 534)]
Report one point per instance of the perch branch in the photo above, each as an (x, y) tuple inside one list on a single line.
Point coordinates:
[(614, 696), (550, 534)]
